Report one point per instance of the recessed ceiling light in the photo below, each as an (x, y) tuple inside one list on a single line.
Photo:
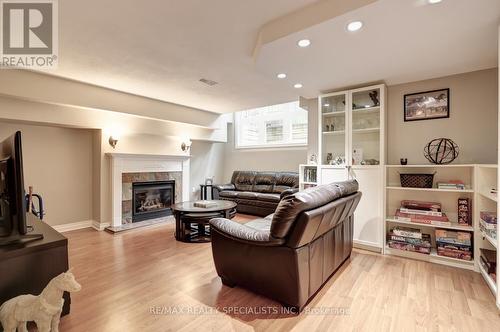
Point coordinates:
[(433, 2), (281, 75), (354, 26), (304, 42), (297, 86)]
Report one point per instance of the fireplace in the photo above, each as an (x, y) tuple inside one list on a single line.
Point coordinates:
[(152, 200)]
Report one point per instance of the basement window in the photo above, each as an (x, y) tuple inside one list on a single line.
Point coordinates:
[(282, 125)]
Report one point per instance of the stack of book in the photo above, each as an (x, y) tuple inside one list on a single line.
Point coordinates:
[(489, 262), (453, 184), (422, 212), (454, 244), (488, 223), (205, 204), (409, 239)]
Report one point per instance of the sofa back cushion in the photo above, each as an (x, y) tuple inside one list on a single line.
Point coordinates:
[(286, 180), (243, 180), (291, 206), (264, 182)]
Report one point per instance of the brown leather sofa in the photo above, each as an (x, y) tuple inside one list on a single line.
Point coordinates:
[(288, 256), (257, 193)]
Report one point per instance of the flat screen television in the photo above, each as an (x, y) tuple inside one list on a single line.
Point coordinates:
[(13, 227)]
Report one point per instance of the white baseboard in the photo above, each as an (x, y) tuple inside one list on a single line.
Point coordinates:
[(365, 245), (73, 226), (98, 226)]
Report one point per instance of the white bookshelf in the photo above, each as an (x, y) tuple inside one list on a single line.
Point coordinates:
[(395, 193), (305, 179), (479, 180), (485, 200)]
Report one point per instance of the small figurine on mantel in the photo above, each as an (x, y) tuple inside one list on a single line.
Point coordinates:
[(44, 309)]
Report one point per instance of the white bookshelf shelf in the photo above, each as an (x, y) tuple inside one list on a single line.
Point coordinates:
[(305, 182), (366, 110), (488, 238), (488, 195), (454, 226), (432, 258), (430, 189), (433, 166), (354, 131), (489, 280)]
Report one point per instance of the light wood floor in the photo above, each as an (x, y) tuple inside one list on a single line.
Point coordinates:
[(125, 275)]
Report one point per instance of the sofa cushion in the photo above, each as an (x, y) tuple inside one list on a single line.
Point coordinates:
[(285, 180), (247, 195), (291, 206), (261, 224), (243, 180), (268, 197), (264, 182)]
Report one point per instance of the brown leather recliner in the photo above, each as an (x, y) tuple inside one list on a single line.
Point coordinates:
[(288, 256), (257, 193)]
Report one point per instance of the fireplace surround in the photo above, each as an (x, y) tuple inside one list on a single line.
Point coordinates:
[(128, 168)]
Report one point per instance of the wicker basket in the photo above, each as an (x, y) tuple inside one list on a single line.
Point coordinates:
[(417, 180)]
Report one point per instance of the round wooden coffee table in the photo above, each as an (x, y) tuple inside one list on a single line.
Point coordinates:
[(187, 215)]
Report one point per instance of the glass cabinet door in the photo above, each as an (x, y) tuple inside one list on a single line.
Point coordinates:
[(365, 122), (334, 122)]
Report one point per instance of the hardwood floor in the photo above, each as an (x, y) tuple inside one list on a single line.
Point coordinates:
[(144, 280)]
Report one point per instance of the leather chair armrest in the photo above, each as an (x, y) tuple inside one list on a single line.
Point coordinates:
[(287, 192), (241, 233)]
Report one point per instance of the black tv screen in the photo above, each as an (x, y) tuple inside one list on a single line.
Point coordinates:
[(13, 213), (5, 219)]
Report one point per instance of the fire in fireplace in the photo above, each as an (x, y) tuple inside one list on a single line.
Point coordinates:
[(152, 200)]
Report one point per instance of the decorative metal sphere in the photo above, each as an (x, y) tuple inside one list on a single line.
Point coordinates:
[(441, 151)]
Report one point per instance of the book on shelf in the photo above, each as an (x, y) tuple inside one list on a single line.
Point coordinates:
[(458, 254), (489, 259), (487, 225), (423, 219), (488, 217), (453, 184), (464, 211), (407, 232), (205, 204), (453, 237), (425, 241), (453, 246), (421, 205), (409, 247), (421, 212)]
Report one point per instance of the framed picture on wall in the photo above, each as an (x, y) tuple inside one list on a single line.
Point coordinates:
[(427, 105)]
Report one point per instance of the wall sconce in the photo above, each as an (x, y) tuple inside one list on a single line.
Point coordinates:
[(185, 146), (112, 141)]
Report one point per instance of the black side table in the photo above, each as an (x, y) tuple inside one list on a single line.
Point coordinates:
[(204, 190)]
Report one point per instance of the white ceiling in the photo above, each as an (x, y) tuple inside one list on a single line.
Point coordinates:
[(161, 48), (401, 41)]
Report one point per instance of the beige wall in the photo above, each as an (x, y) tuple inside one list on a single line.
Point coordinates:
[(207, 160), (472, 123), (282, 159), (58, 164)]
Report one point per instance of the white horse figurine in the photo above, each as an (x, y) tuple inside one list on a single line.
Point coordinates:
[(44, 309)]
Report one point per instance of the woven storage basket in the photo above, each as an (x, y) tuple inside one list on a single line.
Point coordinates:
[(417, 180)]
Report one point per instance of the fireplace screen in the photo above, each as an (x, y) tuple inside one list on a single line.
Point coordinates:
[(152, 199)]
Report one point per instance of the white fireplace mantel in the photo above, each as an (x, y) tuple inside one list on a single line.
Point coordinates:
[(138, 163)]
